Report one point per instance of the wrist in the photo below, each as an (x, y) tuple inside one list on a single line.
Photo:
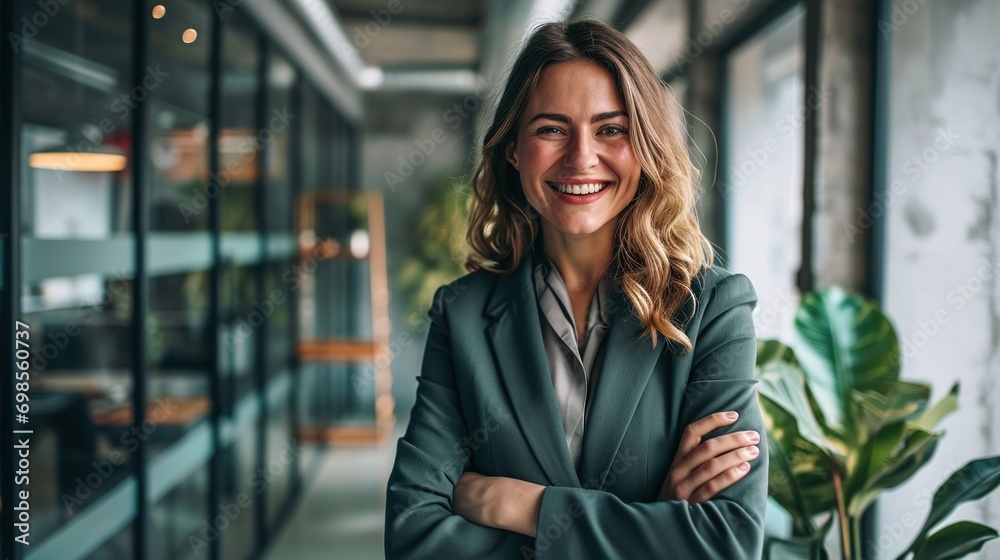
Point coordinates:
[(519, 506)]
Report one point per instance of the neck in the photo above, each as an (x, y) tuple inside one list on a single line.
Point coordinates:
[(580, 259)]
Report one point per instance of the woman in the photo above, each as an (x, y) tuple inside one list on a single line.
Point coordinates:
[(587, 391)]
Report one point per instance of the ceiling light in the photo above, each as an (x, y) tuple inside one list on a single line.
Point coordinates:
[(77, 161)]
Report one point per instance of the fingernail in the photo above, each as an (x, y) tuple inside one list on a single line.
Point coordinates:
[(745, 467), (754, 451), (754, 437), (732, 415)]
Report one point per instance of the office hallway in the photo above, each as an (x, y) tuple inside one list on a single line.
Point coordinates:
[(340, 513)]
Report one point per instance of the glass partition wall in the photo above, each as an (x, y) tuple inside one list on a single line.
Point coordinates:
[(155, 236)]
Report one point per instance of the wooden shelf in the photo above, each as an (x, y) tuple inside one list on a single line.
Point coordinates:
[(344, 435), (185, 411), (311, 247), (339, 350)]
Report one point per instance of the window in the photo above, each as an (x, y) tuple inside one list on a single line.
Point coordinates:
[(77, 267), (764, 116)]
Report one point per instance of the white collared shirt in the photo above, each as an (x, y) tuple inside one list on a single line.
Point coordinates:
[(571, 369)]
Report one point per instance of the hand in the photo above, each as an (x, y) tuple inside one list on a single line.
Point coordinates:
[(702, 469), (498, 502)]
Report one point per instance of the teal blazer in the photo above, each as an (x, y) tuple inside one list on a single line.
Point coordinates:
[(485, 403)]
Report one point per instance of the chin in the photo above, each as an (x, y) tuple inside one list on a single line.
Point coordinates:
[(576, 228)]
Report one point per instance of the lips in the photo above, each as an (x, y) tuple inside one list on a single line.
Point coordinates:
[(578, 188)]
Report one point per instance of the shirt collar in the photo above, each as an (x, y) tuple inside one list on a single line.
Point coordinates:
[(546, 273)]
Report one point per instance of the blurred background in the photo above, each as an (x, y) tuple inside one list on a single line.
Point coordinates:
[(223, 222)]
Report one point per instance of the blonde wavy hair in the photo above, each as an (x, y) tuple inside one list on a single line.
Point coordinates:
[(659, 248)]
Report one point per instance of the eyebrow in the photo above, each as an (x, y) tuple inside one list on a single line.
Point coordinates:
[(563, 118)]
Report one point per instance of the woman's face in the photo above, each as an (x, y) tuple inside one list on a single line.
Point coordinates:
[(573, 151)]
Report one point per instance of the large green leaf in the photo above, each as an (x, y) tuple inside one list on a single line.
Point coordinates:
[(902, 401), (933, 415), (955, 541), (890, 471), (971, 482), (798, 471), (784, 385), (844, 343), (774, 351)]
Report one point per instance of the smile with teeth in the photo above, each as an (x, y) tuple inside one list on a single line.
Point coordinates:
[(589, 188)]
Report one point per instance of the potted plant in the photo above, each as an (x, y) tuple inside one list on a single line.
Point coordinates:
[(842, 427)]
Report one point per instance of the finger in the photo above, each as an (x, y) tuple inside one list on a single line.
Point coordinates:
[(715, 447), (699, 428), (712, 488), (715, 467)]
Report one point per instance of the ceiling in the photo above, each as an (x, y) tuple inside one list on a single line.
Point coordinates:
[(437, 45), (422, 34)]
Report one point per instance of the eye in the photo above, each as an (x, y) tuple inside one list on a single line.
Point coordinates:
[(548, 130), (613, 130)]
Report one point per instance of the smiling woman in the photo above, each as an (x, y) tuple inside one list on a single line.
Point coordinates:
[(593, 322)]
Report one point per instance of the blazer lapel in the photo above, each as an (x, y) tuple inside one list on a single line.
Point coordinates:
[(516, 339), (626, 362)]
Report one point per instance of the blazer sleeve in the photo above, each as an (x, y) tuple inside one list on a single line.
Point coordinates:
[(420, 521), (576, 523)]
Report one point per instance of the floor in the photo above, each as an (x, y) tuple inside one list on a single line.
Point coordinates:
[(341, 513)]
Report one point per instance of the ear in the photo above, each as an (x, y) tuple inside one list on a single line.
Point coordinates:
[(511, 154)]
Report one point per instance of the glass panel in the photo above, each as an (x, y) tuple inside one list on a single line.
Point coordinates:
[(764, 138), (309, 144), (179, 527), (239, 147), (280, 458), (278, 219), (241, 489), (75, 197), (177, 186), (118, 547)]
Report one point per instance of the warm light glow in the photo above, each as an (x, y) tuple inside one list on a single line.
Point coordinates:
[(77, 161), (359, 244), (159, 11), (189, 35)]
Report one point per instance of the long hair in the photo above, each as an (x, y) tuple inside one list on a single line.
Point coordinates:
[(658, 248)]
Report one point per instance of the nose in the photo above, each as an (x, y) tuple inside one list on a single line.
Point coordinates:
[(581, 153)]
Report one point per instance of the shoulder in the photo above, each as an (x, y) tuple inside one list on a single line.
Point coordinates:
[(464, 295), (718, 289), (722, 284)]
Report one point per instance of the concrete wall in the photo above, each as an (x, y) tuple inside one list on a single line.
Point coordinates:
[(943, 237)]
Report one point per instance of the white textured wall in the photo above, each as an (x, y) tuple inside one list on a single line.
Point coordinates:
[(943, 249)]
